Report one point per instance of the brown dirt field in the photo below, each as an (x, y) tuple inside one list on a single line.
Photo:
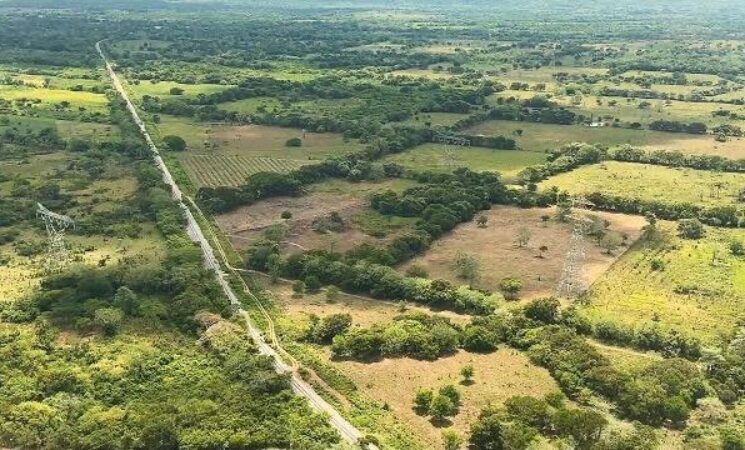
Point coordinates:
[(500, 256), (245, 224), (498, 376)]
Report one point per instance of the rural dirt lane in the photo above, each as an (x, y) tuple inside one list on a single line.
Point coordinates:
[(347, 431)]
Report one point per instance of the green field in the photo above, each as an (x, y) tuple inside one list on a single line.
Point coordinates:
[(163, 89), (542, 137), (440, 157), (222, 170), (251, 105), (700, 290), (648, 182)]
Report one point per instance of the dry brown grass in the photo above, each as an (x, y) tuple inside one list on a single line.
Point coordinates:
[(498, 376), (365, 311), (246, 224), (495, 247)]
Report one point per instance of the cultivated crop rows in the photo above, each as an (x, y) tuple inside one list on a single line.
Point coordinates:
[(224, 170)]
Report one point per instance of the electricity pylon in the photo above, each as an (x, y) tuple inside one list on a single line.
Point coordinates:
[(56, 225), (571, 283)]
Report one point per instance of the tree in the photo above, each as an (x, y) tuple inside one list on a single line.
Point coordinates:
[(332, 293), (481, 221), (442, 408), (691, 229), (176, 91), (294, 142), (510, 287), (523, 237), (323, 331), (423, 400), (127, 301), (467, 373), (542, 249), (174, 143), (452, 393), (610, 242), (109, 319), (451, 440), (544, 310), (490, 433), (467, 267), (583, 426)]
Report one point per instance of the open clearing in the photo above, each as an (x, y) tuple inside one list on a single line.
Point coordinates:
[(254, 140), (247, 223), (542, 137), (440, 157), (650, 182), (700, 291), (500, 257), (498, 376)]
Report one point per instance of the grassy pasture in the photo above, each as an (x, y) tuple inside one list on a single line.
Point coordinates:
[(163, 89), (651, 182), (440, 157), (541, 137), (254, 140), (51, 97), (251, 105), (496, 249), (700, 291)]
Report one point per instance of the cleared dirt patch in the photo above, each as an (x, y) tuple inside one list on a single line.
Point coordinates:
[(500, 257), (498, 376), (349, 200)]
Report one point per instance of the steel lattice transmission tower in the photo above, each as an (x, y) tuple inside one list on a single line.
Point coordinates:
[(450, 157), (571, 283), (56, 225)]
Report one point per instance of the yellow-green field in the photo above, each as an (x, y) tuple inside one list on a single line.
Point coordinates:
[(649, 182), (700, 290), (442, 157), (51, 97)]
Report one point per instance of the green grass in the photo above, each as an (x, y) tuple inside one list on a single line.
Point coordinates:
[(542, 137), (648, 182), (251, 105), (632, 293), (435, 157), (50, 97), (163, 89), (254, 140)]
